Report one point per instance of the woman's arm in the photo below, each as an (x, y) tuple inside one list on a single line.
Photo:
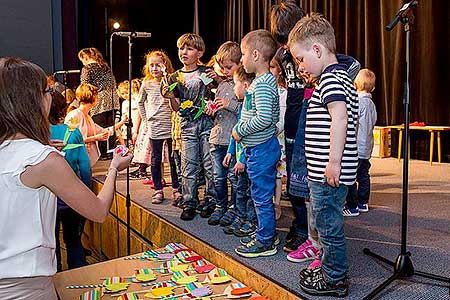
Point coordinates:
[(54, 173)]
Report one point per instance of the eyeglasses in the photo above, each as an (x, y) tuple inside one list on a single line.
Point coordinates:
[(49, 89)]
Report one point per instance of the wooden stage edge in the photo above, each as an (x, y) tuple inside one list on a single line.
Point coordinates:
[(149, 230)]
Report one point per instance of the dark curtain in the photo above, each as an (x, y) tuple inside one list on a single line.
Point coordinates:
[(360, 32)]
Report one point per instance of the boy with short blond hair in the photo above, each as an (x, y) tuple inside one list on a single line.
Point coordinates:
[(359, 193), (225, 111), (188, 98), (256, 131), (330, 146)]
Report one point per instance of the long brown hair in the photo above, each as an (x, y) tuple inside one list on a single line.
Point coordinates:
[(22, 85), (92, 53)]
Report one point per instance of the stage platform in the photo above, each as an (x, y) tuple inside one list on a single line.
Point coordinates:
[(428, 234)]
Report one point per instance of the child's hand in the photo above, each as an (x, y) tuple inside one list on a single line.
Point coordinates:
[(165, 92), (213, 75), (239, 168), (235, 136), (103, 136), (332, 174), (226, 160), (221, 103), (134, 137)]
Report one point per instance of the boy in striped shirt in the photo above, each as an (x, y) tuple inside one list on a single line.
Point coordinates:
[(256, 131), (330, 146)]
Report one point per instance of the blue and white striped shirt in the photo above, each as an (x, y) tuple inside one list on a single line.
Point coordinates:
[(260, 111)]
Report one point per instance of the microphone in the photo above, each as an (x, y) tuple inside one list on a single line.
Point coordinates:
[(401, 14), (133, 34), (67, 72)]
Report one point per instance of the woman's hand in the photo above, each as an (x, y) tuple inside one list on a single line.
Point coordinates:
[(58, 144), (121, 162)]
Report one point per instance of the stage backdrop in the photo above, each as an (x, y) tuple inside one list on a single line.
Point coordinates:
[(360, 32)]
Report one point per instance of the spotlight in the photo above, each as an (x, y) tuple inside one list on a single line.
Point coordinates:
[(116, 25)]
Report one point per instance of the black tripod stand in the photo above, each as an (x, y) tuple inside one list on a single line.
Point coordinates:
[(403, 266)]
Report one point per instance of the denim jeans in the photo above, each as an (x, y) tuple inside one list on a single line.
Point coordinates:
[(218, 153), (360, 191), (70, 221), (300, 221), (245, 207), (327, 204), (195, 145), (177, 158), (262, 162)]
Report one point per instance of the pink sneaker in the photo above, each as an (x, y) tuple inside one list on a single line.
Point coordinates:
[(305, 252), (316, 262)]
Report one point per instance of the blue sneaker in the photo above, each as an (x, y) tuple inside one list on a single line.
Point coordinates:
[(350, 212), (228, 217), (256, 249), (234, 226), (363, 207), (245, 229), (216, 216)]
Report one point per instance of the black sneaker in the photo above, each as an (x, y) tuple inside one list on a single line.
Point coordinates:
[(188, 214), (216, 216), (228, 217), (256, 249), (234, 226), (317, 286), (249, 238), (291, 234), (207, 210), (245, 229), (294, 244), (137, 175), (310, 272)]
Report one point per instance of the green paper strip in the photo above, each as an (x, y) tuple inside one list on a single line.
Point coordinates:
[(172, 86)]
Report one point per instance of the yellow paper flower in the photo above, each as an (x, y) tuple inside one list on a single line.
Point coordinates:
[(73, 123), (180, 78), (186, 104)]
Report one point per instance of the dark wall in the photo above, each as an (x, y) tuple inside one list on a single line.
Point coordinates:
[(26, 31), (166, 20)]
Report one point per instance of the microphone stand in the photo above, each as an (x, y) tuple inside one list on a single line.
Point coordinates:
[(403, 266)]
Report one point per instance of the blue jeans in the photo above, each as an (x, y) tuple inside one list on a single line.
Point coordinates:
[(327, 204), (262, 170), (157, 152), (70, 221), (221, 174), (360, 191), (195, 145), (245, 207), (300, 221)]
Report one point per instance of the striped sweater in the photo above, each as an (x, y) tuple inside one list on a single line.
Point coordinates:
[(260, 111)]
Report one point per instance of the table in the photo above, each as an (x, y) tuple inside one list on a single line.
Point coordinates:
[(431, 129), (92, 274)]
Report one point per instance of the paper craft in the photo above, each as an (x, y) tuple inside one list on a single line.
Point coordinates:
[(196, 289), (144, 275), (211, 105), (217, 276), (186, 104), (183, 277), (116, 284), (121, 150), (172, 86), (128, 296), (258, 297), (73, 124), (172, 266), (201, 266), (188, 256), (94, 294), (84, 286), (205, 79), (201, 109), (159, 284), (237, 290), (160, 292)]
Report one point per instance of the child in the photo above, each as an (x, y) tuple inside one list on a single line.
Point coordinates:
[(77, 158), (226, 110), (92, 133), (189, 99), (156, 112), (331, 119), (281, 166), (245, 222), (358, 197), (256, 131)]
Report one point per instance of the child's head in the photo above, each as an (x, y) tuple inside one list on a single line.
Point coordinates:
[(276, 72), (257, 47), (135, 86), (283, 17), (228, 57), (87, 54), (155, 62), (312, 43), (58, 108), (242, 81), (365, 81), (86, 94), (23, 107), (190, 48), (123, 89)]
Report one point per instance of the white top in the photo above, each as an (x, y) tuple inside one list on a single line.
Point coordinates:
[(27, 216), (134, 114)]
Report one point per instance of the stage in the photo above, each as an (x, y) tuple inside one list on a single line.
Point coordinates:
[(275, 277)]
